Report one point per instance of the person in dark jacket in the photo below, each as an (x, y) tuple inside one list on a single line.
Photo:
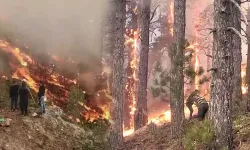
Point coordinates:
[(23, 93), (14, 95), (200, 102), (41, 97)]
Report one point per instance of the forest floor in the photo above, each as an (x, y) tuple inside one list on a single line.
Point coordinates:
[(46, 132), (198, 133), (52, 132)]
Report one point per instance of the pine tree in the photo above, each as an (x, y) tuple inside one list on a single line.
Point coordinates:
[(248, 65), (116, 134), (237, 93), (222, 83), (141, 116), (177, 64)]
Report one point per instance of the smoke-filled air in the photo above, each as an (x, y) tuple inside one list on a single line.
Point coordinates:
[(124, 74)]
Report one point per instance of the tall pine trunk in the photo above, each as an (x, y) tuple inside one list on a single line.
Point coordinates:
[(141, 115), (237, 92), (116, 134), (248, 64), (176, 54), (222, 83)]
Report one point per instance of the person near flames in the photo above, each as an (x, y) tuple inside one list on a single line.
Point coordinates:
[(23, 93), (14, 95), (200, 102), (41, 97)]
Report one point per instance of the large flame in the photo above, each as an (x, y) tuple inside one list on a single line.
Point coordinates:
[(23, 67), (130, 87)]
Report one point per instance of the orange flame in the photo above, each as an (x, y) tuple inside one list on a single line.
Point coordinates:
[(134, 66), (171, 18), (244, 87)]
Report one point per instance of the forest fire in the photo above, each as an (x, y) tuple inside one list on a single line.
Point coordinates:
[(130, 88), (171, 18), (57, 85), (243, 77)]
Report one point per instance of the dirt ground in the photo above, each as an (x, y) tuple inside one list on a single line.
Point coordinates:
[(48, 132)]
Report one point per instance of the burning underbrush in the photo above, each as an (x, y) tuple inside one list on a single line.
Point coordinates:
[(24, 66)]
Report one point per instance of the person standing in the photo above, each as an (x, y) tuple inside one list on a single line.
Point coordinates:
[(23, 93), (41, 97), (14, 95)]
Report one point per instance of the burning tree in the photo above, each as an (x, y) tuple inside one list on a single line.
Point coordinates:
[(131, 71)]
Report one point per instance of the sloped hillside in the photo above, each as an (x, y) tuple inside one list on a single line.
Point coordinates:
[(198, 136), (47, 132)]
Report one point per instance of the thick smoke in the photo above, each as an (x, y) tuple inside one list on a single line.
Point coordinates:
[(61, 27)]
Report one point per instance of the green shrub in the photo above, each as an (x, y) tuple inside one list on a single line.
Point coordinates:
[(241, 126), (76, 96), (98, 139), (198, 135)]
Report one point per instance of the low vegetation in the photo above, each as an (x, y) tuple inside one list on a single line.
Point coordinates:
[(198, 135)]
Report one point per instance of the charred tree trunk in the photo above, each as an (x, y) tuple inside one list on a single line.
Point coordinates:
[(141, 115), (237, 92), (177, 64), (248, 65), (222, 83), (116, 134)]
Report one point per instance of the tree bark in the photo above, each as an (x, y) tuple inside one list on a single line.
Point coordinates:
[(237, 92), (177, 64), (141, 116), (222, 83), (248, 65), (116, 134)]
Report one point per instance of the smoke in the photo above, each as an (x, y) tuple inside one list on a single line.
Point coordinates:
[(65, 29), (60, 27)]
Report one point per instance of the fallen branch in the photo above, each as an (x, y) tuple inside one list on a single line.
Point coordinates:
[(241, 12)]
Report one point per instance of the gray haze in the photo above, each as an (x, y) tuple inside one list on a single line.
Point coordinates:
[(61, 27)]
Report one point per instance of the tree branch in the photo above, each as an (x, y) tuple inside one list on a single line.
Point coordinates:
[(247, 36), (245, 1), (152, 32), (212, 69), (211, 29), (241, 12), (153, 14), (237, 32), (207, 54)]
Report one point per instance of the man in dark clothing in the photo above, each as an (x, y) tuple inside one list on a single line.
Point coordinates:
[(14, 95), (23, 93), (200, 102), (41, 97)]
